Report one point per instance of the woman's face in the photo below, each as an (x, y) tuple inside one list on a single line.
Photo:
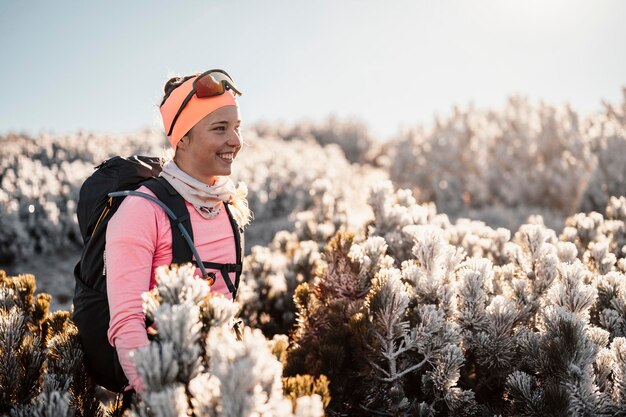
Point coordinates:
[(211, 146)]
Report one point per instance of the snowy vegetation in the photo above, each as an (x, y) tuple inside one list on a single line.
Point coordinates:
[(424, 317), (417, 311), (502, 165), (41, 360), (41, 178), (414, 315), (499, 166), (196, 363)]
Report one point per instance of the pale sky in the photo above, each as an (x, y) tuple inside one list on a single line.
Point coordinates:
[(101, 65)]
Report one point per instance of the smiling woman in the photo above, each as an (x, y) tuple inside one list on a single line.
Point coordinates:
[(211, 145), (201, 119)]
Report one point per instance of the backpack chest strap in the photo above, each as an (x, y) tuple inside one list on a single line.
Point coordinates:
[(224, 270)]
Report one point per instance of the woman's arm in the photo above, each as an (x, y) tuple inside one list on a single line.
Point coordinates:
[(131, 239)]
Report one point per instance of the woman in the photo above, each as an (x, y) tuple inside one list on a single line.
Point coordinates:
[(201, 119)]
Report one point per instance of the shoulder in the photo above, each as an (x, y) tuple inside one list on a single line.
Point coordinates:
[(233, 213), (137, 211), (136, 203)]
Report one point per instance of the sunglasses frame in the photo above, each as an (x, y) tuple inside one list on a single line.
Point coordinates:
[(226, 85)]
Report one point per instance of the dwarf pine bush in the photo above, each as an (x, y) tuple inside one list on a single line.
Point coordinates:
[(352, 136), (606, 133), (412, 315), (502, 165), (41, 367), (272, 273), (287, 179), (198, 364), (40, 178), (466, 320)]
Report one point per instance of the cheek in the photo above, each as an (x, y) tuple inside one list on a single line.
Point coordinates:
[(209, 142)]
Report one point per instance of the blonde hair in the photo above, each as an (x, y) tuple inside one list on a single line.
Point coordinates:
[(242, 213)]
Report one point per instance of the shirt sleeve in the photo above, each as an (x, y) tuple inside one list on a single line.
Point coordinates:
[(131, 239)]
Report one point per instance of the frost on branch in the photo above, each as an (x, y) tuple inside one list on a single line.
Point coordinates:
[(563, 356), (534, 262), (430, 272), (393, 210), (250, 377), (326, 214), (387, 341), (500, 165), (571, 294), (586, 230), (371, 256), (617, 391), (323, 343), (609, 311), (197, 364), (458, 326), (271, 275), (41, 360)]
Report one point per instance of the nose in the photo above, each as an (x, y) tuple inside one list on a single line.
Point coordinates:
[(234, 139)]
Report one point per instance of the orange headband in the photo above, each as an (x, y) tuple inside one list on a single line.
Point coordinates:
[(195, 110)]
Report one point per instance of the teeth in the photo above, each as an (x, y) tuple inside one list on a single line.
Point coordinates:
[(228, 156)]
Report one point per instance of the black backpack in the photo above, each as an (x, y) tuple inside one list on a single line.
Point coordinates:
[(95, 208)]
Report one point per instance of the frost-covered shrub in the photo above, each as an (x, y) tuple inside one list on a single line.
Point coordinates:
[(352, 136), (412, 315), (489, 288), (41, 366), (606, 133), (464, 321), (272, 273), (322, 341), (357, 326), (197, 364), (484, 163), (41, 178), (393, 210), (606, 234), (287, 178), (37, 206)]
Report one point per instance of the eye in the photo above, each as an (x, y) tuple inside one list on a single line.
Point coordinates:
[(222, 128)]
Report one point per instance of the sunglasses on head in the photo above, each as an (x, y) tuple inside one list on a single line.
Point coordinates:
[(210, 83)]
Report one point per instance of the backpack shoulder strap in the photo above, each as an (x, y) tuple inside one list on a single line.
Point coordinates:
[(237, 231), (169, 196), (181, 251)]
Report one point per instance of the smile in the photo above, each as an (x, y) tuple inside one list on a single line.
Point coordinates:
[(228, 157)]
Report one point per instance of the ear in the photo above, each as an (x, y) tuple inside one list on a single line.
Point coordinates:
[(182, 143)]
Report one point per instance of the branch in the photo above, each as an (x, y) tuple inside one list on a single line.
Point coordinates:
[(406, 371)]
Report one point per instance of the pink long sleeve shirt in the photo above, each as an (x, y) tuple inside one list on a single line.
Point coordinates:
[(138, 240)]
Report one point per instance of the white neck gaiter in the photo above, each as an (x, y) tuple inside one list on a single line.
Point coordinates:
[(208, 199)]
